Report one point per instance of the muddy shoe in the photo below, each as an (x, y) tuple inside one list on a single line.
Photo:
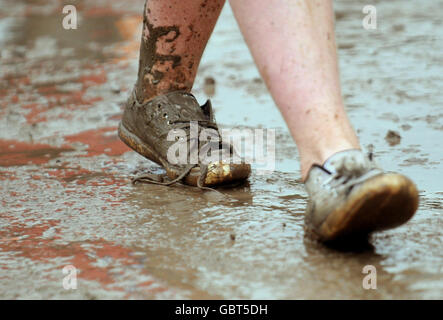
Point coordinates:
[(350, 196), (145, 128)]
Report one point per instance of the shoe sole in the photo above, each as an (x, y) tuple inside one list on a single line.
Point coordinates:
[(383, 202), (220, 174)]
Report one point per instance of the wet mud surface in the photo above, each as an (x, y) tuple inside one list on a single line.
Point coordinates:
[(65, 191)]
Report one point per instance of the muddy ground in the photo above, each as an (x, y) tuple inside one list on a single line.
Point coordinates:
[(65, 192)]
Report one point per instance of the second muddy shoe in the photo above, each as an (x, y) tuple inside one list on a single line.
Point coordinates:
[(145, 128), (350, 196)]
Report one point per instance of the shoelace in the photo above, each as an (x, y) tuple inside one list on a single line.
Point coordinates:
[(158, 179)]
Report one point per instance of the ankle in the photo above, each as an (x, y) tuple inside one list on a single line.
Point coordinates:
[(148, 91), (307, 159)]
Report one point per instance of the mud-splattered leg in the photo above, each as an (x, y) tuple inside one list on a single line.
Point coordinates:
[(294, 48), (175, 33)]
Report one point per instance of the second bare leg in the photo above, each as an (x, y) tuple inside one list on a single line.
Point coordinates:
[(294, 47)]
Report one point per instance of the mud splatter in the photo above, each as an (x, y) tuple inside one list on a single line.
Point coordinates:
[(152, 64), (393, 138)]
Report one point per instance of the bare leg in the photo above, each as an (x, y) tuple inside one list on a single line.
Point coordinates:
[(294, 47), (175, 33)]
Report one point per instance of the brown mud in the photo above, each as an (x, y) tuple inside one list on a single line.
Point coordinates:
[(65, 191), (148, 76)]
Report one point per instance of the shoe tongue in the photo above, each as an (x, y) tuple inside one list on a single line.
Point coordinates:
[(186, 101), (349, 163)]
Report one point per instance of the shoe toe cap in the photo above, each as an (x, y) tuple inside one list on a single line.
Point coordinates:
[(220, 173)]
